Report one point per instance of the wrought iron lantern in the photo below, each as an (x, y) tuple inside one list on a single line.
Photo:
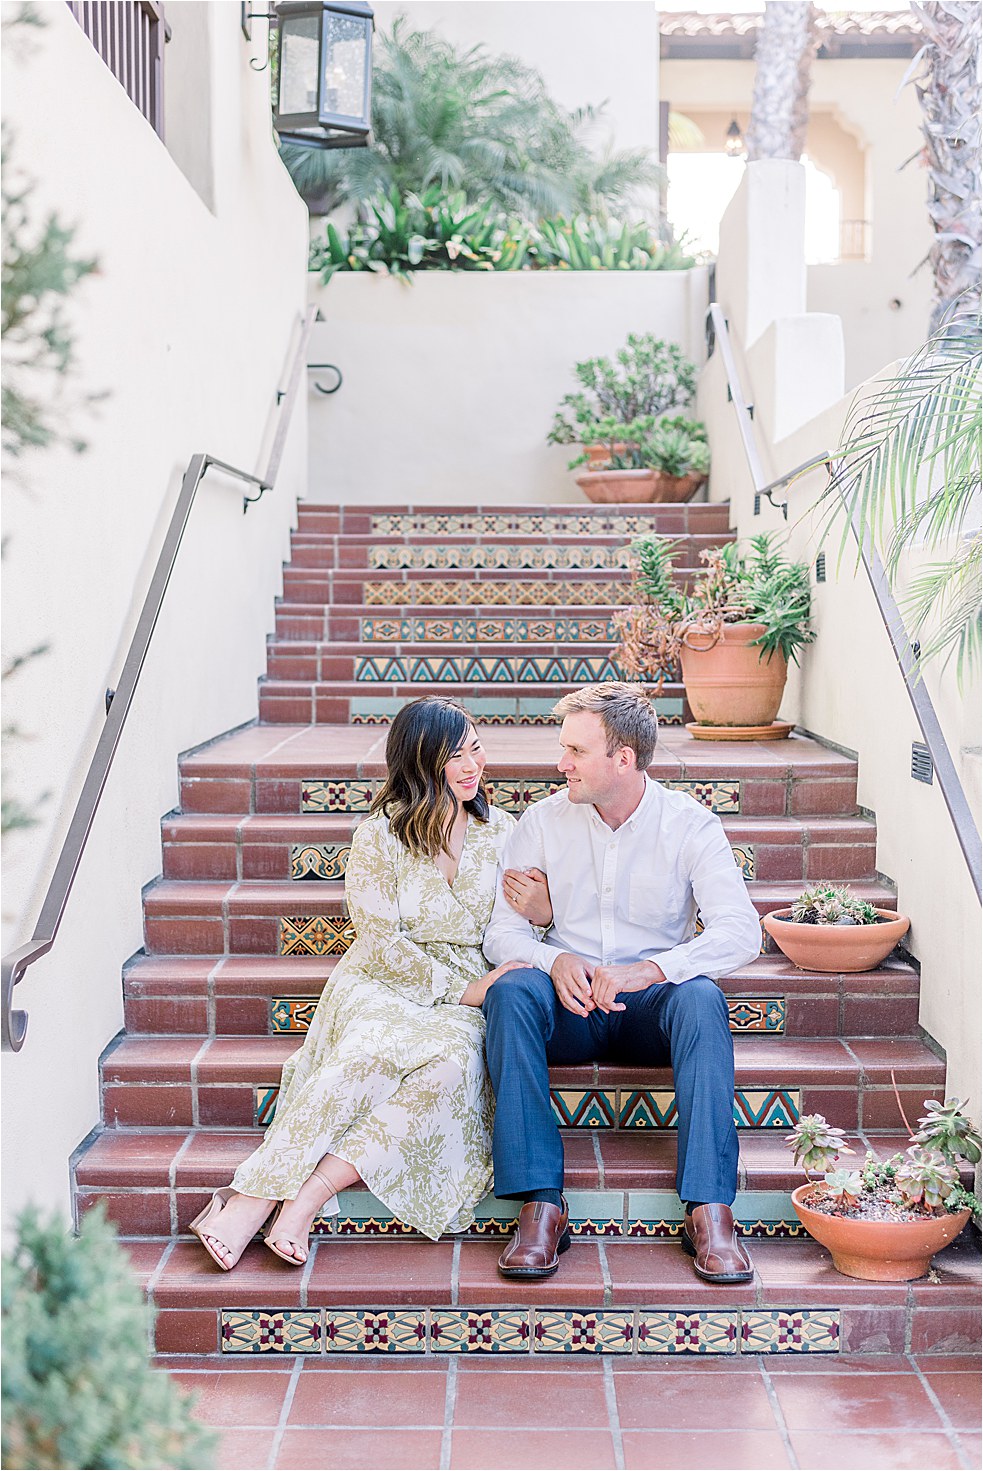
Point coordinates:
[(734, 140), (325, 76)]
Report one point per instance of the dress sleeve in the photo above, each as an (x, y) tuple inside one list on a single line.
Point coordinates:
[(373, 903)]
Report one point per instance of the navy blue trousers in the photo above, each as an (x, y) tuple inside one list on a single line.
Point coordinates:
[(684, 1025)]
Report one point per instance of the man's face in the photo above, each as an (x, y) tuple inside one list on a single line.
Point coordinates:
[(592, 775)]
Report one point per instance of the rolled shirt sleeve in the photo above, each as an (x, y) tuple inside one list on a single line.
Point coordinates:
[(509, 936)]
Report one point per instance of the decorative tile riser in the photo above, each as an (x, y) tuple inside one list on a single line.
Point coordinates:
[(354, 795), (487, 630), (609, 554), (530, 1331), (321, 663), (747, 1015), (360, 588), (294, 702), (511, 520), (630, 1109), (500, 710)]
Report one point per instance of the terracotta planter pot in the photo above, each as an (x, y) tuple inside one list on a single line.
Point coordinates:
[(674, 489), (879, 1251), (833, 947), (599, 454), (610, 487), (728, 683)]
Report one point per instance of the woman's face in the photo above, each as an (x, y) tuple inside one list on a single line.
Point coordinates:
[(463, 770)]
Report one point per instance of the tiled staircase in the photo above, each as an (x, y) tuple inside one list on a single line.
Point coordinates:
[(508, 608)]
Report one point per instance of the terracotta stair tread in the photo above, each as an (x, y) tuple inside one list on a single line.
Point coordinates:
[(764, 1061)]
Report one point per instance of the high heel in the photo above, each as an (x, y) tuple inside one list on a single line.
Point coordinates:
[(270, 1233), (197, 1228)]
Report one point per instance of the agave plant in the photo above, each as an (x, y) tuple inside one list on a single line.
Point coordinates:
[(909, 470)]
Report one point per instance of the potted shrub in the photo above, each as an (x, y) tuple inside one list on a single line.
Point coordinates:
[(663, 460), (885, 1221), (829, 929), (617, 409), (732, 634)]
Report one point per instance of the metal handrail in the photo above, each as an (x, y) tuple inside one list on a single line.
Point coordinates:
[(13, 1024), (954, 795)]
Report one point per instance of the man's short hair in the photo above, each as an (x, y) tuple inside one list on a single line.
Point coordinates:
[(626, 712)]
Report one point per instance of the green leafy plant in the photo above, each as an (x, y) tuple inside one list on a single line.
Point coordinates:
[(831, 904), (596, 243), (757, 585), (465, 119), (922, 1181), (644, 379), (78, 1389), (908, 469)]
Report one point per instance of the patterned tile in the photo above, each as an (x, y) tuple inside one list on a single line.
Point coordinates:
[(754, 1108), (458, 592), (542, 557), (318, 860), (744, 858), (322, 934), (585, 1108), (474, 669), (687, 1333), (584, 1332), (395, 1332), (266, 1097), (718, 796), (340, 795), (504, 523), (487, 630), (472, 1330), (757, 1014), (516, 796), (790, 1332), (251, 1331), (291, 1013), (372, 1226)]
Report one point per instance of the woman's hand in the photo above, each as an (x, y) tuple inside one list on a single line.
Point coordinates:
[(475, 991), (528, 893)]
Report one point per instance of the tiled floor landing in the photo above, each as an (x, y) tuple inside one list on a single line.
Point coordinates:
[(897, 1412)]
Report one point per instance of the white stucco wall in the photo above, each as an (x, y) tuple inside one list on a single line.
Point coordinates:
[(451, 383), (883, 306), (849, 689), (186, 329)]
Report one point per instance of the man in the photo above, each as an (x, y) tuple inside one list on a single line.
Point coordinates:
[(619, 976)]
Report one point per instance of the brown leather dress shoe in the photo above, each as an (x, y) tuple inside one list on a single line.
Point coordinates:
[(709, 1237), (541, 1236)]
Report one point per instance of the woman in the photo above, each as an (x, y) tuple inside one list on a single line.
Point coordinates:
[(390, 1085)]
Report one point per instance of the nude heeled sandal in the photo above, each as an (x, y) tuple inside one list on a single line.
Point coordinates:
[(201, 1220), (270, 1232)]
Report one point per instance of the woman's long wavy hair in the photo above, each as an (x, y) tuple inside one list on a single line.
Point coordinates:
[(415, 797)]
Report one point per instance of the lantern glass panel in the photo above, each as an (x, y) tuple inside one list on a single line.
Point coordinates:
[(346, 61), (299, 64)]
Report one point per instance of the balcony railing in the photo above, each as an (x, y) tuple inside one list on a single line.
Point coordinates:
[(129, 35)]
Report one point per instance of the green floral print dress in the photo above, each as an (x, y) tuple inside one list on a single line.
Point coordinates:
[(392, 1075)]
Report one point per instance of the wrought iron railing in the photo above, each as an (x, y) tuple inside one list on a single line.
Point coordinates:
[(129, 35), (13, 1024), (954, 795)]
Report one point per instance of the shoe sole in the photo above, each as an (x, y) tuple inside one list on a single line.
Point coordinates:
[(726, 1278), (529, 1272)]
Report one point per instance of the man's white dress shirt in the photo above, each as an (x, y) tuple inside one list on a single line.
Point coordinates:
[(630, 894)]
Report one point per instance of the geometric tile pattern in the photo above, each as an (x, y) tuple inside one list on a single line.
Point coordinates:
[(322, 934), (783, 1331), (487, 709), (585, 1108), (318, 860), (585, 557), (591, 1333), (688, 1333), (474, 669), (291, 1013), (458, 593), (287, 1332), (266, 1098), (343, 794), (503, 523), (744, 858), (748, 1014), (490, 630), (571, 1331)]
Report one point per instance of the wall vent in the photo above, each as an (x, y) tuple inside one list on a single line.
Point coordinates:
[(922, 768), (821, 567), (757, 504)]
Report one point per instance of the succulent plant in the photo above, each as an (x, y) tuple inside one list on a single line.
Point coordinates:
[(925, 1178), (845, 1186), (946, 1128), (815, 1144), (831, 904)]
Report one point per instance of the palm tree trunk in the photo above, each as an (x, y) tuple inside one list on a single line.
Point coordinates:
[(787, 41), (948, 87)]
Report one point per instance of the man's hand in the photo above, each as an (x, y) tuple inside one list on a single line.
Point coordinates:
[(527, 892), (571, 977), (608, 980)]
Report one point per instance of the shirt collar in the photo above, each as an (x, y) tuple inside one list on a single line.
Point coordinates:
[(648, 797)]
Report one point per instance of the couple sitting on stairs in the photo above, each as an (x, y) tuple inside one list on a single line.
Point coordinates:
[(422, 1067)]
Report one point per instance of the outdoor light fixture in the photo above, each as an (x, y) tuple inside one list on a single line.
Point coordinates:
[(325, 72), (734, 141)]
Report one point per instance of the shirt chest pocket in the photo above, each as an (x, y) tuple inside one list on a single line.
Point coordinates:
[(653, 899)]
